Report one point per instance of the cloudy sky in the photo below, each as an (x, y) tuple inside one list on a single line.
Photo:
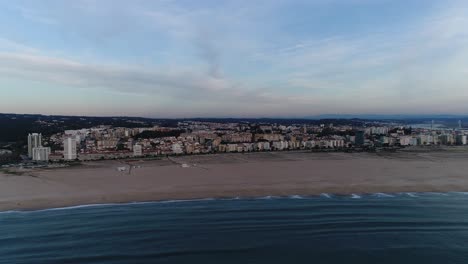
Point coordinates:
[(272, 58)]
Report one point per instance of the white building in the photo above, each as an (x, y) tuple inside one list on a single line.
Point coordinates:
[(405, 140), (177, 148), (137, 150), (41, 154), (69, 149), (231, 148), (34, 141)]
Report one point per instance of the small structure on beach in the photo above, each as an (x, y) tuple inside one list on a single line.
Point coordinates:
[(121, 168)]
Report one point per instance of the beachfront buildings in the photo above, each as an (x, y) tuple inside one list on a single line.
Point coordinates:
[(360, 138), (196, 137), (137, 151), (69, 149), (41, 154), (34, 141), (177, 148)]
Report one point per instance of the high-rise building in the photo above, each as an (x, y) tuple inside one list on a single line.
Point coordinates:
[(41, 153), (34, 141), (461, 140), (137, 150), (69, 149), (360, 138)]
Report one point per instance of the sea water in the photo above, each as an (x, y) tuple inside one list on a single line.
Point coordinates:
[(375, 228)]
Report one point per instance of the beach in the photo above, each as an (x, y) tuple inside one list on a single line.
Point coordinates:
[(235, 175)]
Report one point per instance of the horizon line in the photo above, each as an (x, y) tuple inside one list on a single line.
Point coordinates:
[(312, 117)]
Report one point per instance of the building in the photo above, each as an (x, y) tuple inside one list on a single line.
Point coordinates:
[(34, 141), (69, 149), (137, 151), (461, 139), (5, 152), (107, 144), (360, 138), (446, 139), (269, 137), (177, 148), (41, 154)]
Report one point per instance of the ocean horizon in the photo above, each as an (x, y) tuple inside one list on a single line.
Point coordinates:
[(357, 228)]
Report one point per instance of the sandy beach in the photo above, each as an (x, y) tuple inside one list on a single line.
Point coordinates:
[(232, 175)]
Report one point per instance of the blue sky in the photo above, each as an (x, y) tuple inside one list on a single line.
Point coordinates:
[(275, 58)]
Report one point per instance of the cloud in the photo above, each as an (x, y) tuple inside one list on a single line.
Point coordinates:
[(10, 45), (113, 77), (258, 58)]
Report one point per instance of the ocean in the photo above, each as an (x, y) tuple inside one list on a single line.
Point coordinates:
[(375, 228)]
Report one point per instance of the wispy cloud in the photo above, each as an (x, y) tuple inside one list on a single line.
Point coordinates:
[(10, 45), (264, 58)]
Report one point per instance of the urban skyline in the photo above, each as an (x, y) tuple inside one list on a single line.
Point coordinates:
[(201, 137), (260, 59)]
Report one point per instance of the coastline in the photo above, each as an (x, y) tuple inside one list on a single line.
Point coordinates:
[(336, 197), (235, 175)]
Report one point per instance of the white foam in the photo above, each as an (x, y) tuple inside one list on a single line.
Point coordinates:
[(326, 195), (63, 208), (10, 212), (463, 193), (355, 196), (296, 197), (231, 199), (269, 197), (411, 194), (383, 195), (437, 193), (187, 200), (109, 204)]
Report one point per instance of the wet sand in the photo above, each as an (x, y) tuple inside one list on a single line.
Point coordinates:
[(232, 175)]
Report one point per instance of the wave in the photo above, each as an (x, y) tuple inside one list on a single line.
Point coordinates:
[(383, 195), (269, 197), (184, 201), (437, 193), (462, 193), (296, 197)]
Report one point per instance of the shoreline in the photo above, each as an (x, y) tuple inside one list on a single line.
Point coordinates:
[(353, 196), (236, 175)]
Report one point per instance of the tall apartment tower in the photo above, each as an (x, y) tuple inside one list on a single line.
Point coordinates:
[(360, 138), (69, 149), (34, 141)]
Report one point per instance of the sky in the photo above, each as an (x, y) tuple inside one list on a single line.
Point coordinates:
[(223, 58)]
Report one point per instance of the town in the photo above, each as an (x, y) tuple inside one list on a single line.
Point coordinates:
[(198, 137)]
